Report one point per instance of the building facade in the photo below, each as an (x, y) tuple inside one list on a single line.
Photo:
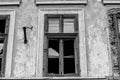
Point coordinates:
[(60, 39)]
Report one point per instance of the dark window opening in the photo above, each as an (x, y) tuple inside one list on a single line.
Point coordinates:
[(53, 49), (2, 26), (68, 47), (69, 65), (53, 65)]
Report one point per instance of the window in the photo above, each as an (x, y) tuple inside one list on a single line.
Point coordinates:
[(114, 34), (61, 45), (4, 25)]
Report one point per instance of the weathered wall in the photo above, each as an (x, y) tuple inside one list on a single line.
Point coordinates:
[(25, 54), (97, 39), (24, 61)]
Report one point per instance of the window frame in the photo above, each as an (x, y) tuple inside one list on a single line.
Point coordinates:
[(61, 36), (4, 36), (114, 40), (9, 47)]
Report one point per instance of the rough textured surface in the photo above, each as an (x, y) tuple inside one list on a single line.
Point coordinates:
[(25, 54), (96, 20), (24, 62)]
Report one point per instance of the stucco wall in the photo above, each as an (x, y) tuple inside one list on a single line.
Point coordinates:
[(24, 61), (97, 39), (25, 54)]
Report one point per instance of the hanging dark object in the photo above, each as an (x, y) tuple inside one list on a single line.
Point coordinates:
[(25, 34)]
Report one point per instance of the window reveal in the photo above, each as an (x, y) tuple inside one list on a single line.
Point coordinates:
[(61, 49)]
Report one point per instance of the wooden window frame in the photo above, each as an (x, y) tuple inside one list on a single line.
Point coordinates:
[(5, 37), (61, 36)]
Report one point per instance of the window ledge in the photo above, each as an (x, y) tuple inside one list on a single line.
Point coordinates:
[(56, 78), (10, 2), (111, 2), (61, 2)]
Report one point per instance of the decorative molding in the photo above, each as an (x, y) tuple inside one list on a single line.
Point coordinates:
[(61, 2), (9, 52), (113, 37), (10, 2), (82, 39), (111, 2)]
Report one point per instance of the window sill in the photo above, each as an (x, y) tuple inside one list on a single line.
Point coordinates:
[(10, 2), (111, 2), (56, 78), (61, 2)]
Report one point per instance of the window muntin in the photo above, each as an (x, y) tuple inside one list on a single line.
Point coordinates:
[(64, 34)]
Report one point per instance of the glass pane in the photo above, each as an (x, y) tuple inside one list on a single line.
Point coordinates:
[(53, 25), (69, 65), (68, 25), (53, 65), (53, 49), (2, 26), (68, 47)]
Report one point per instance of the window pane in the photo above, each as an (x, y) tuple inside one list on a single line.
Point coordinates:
[(53, 49), (53, 65), (68, 25), (68, 47), (53, 25), (2, 26), (69, 65)]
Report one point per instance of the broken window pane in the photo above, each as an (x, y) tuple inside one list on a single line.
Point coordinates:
[(53, 49), (53, 25), (68, 25), (53, 65), (69, 65), (2, 26), (68, 47)]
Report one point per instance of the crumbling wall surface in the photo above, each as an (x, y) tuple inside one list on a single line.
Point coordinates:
[(25, 54), (97, 39)]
